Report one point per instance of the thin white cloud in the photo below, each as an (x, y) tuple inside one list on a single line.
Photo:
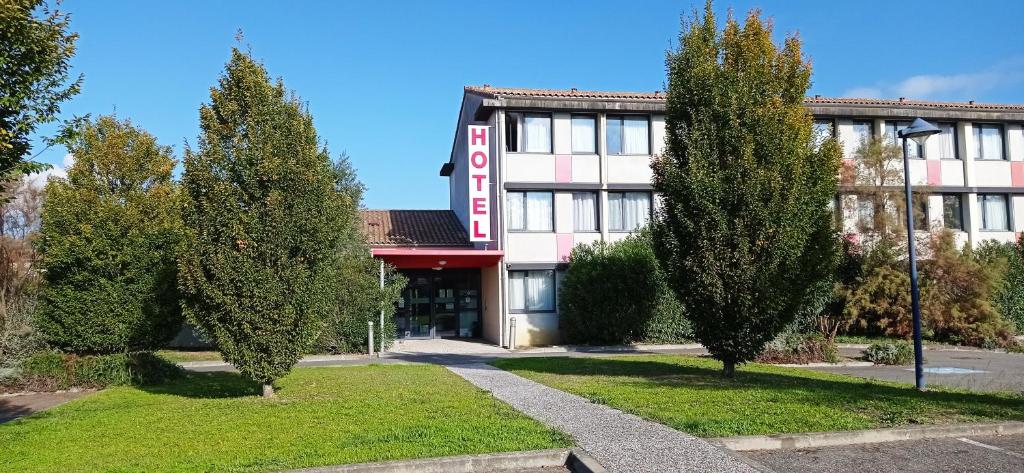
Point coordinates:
[(962, 86), (40, 178)]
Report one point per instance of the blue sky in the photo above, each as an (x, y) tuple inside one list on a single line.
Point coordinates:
[(384, 79)]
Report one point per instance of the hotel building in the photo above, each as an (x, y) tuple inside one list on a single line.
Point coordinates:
[(565, 167)]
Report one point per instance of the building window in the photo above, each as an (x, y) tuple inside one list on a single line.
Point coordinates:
[(584, 211), (892, 136), (584, 134), (823, 130), (628, 134), (863, 131), (530, 211), (988, 141), (947, 141), (953, 211), (531, 291), (528, 132), (628, 211), (995, 213), (865, 213), (920, 213)]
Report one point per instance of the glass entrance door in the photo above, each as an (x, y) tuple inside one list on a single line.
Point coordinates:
[(439, 304)]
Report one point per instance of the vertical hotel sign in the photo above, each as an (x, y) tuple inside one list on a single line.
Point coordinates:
[(479, 183)]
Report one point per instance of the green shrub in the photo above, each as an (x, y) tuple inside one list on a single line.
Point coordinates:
[(799, 349), (616, 294), (889, 353), (49, 370), (346, 330), (107, 244), (1008, 295)]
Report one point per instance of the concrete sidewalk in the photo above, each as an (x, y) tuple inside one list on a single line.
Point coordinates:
[(620, 442)]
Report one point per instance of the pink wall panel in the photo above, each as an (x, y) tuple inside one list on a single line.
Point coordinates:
[(563, 168), (564, 242), (934, 172), (1017, 174)]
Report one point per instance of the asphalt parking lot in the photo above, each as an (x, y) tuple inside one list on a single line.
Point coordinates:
[(975, 454), (977, 370)]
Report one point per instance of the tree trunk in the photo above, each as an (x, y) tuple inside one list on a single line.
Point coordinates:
[(268, 390), (728, 368)]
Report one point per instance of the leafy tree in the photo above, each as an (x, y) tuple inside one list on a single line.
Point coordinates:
[(107, 244), (1008, 262), (36, 48), (267, 230), (745, 232)]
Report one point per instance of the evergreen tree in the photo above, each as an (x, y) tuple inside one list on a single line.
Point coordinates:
[(267, 231), (107, 244), (745, 233)]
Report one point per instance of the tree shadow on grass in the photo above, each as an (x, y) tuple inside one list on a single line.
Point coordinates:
[(894, 403), (206, 385)]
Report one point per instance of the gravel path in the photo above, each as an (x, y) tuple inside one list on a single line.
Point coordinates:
[(619, 441)]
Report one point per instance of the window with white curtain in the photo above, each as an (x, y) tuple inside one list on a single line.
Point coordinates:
[(995, 213), (865, 212), (988, 141), (531, 291), (824, 128), (628, 211), (584, 134), (628, 134), (530, 211), (862, 131), (528, 132), (892, 129), (947, 141), (584, 211)]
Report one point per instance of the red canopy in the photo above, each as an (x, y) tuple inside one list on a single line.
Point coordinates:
[(425, 258)]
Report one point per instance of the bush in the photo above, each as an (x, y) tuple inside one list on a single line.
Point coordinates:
[(1008, 295), (616, 294), (799, 349), (346, 330), (957, 307), (880, 303), (889, 353), (107, 244), (50, 371)]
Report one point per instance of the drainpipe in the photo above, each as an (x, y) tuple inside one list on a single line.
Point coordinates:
[(499, 193), (381, 310)]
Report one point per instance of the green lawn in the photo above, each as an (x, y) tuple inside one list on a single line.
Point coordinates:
[(688, 394), (323, 416), (177, 356)]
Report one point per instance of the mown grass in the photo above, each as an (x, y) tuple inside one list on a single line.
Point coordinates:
[(322, 416), (688, 394), (178, 356)]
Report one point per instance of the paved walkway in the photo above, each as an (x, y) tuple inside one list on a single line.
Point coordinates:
[(619, 441), (13, 407)]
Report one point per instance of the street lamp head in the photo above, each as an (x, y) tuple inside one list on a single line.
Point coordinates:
[(919, 131)]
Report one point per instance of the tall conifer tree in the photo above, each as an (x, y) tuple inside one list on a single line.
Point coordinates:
[(745, 233), (266, 230)]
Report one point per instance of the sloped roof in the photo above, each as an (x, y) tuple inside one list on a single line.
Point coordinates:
[(413, 228), (659, 96)]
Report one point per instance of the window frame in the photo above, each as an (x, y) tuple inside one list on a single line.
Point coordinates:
[(960, 205), (981, 208), (871, 128), (956, 141), (650, 206), (597, 212), (1002, 140), (597, 135), (526, 211), (526, 310), (520, 136), (896, 137), (622, 133)]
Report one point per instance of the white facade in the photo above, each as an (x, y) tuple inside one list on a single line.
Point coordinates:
[(543, 155)]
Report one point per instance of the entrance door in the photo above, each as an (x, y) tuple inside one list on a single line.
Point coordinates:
[(440, 304)]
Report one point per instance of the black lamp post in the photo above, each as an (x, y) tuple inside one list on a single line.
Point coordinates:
[(919, 131)]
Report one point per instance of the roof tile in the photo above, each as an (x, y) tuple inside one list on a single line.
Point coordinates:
[(413, 228)]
